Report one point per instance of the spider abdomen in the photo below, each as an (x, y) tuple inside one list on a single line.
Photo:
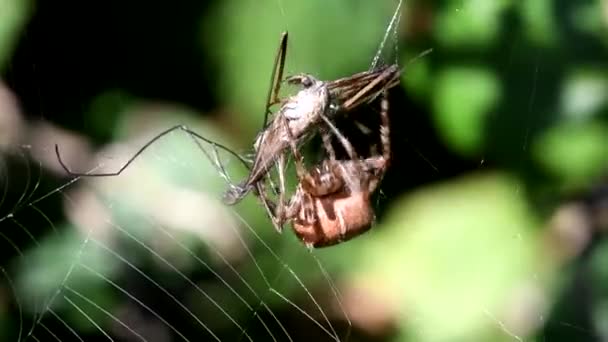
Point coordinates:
[(339, 217)]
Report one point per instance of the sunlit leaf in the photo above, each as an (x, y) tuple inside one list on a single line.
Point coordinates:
[(584, 93), (538, 20), (13, 14), (574, 152), (417, 77), (451, 255), (463, 98), (590, 17), (469, 22)]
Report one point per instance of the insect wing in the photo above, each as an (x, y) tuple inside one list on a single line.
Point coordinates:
[(350, 92)]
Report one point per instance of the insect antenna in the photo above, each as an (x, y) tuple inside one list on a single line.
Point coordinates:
[(190, 132)]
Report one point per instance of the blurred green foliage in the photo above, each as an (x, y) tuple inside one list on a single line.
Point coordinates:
[(420, 256), (13, 14), (460, 112), (243, 37)]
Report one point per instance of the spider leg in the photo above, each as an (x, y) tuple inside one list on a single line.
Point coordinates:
[(308, 207), (324, 181), (295, 205), (269, 206), (385, 127), (327, 144), (352, 177), (280, 210), (298, 159), (378, 166)]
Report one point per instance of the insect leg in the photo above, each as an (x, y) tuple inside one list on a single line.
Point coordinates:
[(190, 132), (271, 207), (275, 79), (298, 159)]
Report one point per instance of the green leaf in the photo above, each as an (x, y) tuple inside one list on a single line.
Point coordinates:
[(574, 152), (452, 256), (538, 20), (13, 14), (464, 96), (417, 77), (584, 93), (471, 23)]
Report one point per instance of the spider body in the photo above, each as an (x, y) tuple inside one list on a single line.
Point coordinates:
[(332, 203)]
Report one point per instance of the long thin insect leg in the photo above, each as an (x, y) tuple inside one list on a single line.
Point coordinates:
[(271, 208), (142, 149), (238, 191), (215, 144), (276, 77), (298, 159), (218, 164)]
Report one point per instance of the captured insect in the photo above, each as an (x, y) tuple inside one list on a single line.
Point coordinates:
[(298, 115), (343, 185)]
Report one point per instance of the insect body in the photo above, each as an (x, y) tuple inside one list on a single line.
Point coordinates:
[(301, 113), (291, 123)]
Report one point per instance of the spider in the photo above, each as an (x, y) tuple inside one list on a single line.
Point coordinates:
[(332, 202)]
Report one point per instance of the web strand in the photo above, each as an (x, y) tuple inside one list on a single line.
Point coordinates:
[(392, 28)]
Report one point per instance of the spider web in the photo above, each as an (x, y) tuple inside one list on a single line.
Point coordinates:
[(151, 254)]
